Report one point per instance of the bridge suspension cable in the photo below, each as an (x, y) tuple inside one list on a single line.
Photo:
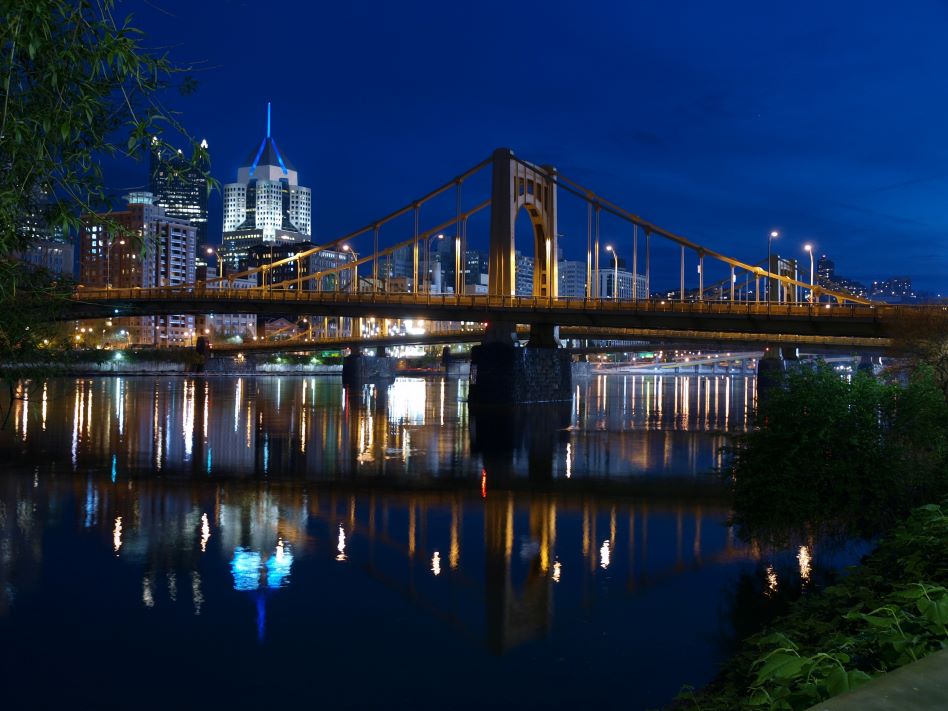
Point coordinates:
[(598, 204)]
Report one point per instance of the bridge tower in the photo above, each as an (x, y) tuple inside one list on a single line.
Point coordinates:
[(516, 185)]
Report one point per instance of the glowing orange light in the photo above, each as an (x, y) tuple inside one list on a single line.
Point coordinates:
[(483, 483)]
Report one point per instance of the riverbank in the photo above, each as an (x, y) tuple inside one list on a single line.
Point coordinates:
[(889, 611)]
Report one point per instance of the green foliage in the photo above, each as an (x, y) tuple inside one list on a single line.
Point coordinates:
[(77, 84), (839, 455), (890, 611)]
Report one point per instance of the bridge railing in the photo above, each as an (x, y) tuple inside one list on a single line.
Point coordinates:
[(306, 300)]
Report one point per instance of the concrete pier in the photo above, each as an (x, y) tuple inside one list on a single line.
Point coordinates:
[(770, 371), (503, 372), (360, 368)]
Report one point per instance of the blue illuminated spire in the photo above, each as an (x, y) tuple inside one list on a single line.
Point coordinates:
[(268, 151)]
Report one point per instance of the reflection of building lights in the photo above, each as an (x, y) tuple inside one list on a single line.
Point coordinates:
[(341, 545), (483, 483), (605, 555), (569, 457), (436, 563), (806, 563), (771, 580), (117, 534), (278, 567), (245, 567), (205, 532), (557, 567), (147, 597), (197, 596)]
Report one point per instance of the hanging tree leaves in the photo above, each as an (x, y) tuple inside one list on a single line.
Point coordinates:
[(77, 85)]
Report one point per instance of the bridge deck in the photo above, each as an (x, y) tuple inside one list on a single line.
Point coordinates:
[(800, 319)]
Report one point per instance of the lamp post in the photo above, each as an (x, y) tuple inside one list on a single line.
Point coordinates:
[(615, 278), (355, 270), (809, 250), (773, 235)]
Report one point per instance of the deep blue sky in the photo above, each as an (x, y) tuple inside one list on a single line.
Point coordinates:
[(721, 121)]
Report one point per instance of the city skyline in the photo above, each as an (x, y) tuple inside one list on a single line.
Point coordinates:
[(719, 160)]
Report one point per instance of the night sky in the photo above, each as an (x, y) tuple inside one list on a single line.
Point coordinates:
[(720, 121)]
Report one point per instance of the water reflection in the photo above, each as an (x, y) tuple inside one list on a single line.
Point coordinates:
[(616, 426), (561, 574), (233, 516)]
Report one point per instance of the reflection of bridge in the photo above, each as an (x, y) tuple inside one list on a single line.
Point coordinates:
[(749, 303)]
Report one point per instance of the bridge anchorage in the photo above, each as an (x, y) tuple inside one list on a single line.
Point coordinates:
[(389, 282)]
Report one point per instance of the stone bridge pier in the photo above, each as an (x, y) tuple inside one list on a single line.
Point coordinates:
[(358, 368), (503, 372)]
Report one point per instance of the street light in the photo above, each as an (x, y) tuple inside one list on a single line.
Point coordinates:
[(615, 279), (773, 235), (809, 250), (355, 270)]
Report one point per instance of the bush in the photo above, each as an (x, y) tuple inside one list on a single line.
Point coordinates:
[(840, 455)]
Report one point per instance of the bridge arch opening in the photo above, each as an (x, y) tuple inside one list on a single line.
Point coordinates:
[(532, 250), (522, 189)]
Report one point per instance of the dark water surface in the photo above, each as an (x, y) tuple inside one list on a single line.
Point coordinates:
[(248, 542)]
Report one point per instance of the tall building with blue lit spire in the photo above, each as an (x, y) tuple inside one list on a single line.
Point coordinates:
[(266, 204)]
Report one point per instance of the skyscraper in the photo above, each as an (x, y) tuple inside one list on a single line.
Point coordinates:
[(266, 204), (179, 186)]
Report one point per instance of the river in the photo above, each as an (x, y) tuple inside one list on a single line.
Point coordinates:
[(271, 539)]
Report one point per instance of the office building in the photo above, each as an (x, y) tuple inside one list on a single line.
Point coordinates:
[(523, 284), (180, 187), (266, 204), (145, 248), (475, 266), (572, 276), (607, 285)]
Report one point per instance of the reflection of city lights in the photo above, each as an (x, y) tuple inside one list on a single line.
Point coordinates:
[(341, 545), (569, 457), (557, 567), (197, 597), (483, 483), (436, 563), (803, 556), (147, 596), (771, 580), (117, 534), (245, 567), (278, 567), (605, 555), (205, 532)]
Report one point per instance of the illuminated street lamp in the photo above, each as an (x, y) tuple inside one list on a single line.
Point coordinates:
[(355, 270), (773, 235), (809, 250), (615, 279)]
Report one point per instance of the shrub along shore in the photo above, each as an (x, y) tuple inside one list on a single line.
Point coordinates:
[(889, 611), (847, 459)]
